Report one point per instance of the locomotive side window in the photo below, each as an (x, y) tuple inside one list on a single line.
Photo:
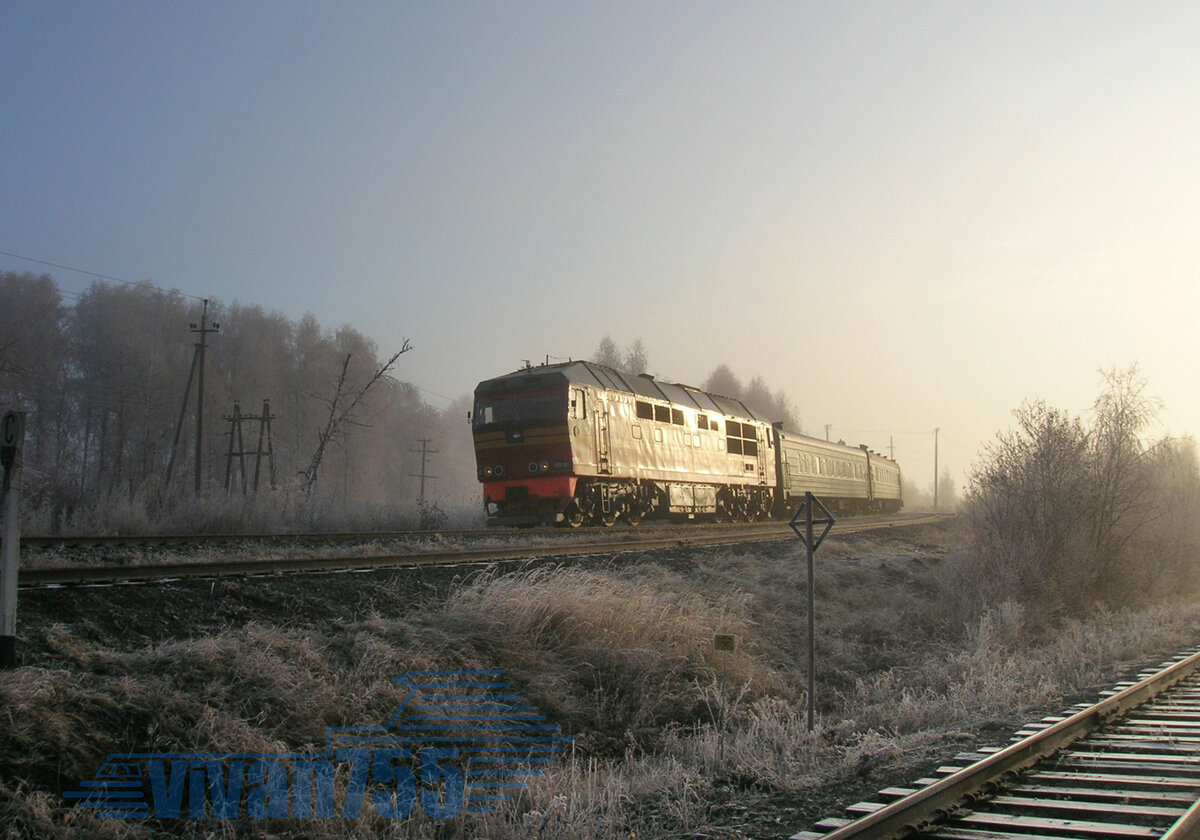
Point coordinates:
[(578, 403), (645, 411), (676, 416), (742, 437), (662, 414)]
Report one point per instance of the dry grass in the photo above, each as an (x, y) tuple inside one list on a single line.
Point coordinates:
[(622, 657)]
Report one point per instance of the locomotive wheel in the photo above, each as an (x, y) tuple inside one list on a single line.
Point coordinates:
[(608, 518), (573, 516), (722, 512), (633, 515)]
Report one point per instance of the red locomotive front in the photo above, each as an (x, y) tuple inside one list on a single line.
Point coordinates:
[(523, 447)]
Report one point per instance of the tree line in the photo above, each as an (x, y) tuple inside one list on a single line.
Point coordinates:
[(773, 405), (103, 382)]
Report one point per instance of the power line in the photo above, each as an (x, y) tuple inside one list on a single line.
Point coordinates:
[(98, 275), (431, 393)]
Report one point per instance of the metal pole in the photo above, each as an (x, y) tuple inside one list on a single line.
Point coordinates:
[(812, 625), (13, 443), (935, 469)]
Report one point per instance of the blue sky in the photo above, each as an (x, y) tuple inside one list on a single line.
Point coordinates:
[(906, 215)]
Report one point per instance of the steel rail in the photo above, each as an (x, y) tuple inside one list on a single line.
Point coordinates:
[(920, 811), (92, 540), (78, 575)]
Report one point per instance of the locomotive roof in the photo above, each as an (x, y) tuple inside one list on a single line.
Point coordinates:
[(642, 385)]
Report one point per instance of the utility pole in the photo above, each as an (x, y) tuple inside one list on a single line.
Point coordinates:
[(237, 446), (197, 364), (203, 330), (935, 469), (425, 453), (264, 428)]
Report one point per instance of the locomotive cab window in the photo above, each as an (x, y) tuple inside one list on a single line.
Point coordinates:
[(541, 407)]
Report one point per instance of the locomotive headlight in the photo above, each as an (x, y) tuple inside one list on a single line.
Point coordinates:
[(487, 472), (499, 470), (545, 465), (533, 466)]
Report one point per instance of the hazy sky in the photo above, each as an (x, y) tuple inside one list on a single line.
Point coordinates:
[(904, 214)]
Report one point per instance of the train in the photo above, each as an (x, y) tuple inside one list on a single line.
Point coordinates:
[(578, 443)]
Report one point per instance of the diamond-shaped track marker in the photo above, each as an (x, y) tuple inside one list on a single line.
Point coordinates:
[(802, 524)]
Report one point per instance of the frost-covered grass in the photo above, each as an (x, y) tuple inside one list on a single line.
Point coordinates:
[(622, 657)]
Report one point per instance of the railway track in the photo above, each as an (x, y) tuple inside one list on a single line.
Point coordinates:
[(562, 544), (1125, 767)]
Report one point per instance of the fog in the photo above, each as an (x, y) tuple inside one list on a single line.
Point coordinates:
[(904, 218)]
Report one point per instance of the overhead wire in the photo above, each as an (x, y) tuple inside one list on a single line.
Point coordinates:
[(98, 275)]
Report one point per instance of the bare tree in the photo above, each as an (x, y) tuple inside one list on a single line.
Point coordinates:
[(1120, 480), (633, 360), (635, 357), (607, 353), (1056, 505), (343, 406)]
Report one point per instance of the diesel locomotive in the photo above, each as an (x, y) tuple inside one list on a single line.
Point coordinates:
[(579, 442)]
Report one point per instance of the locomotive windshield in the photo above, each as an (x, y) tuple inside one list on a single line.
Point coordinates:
[(543, 406)]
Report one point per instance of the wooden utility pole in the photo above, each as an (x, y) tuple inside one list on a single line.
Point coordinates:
[(238, 450), (264, 430), (237, 446)]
